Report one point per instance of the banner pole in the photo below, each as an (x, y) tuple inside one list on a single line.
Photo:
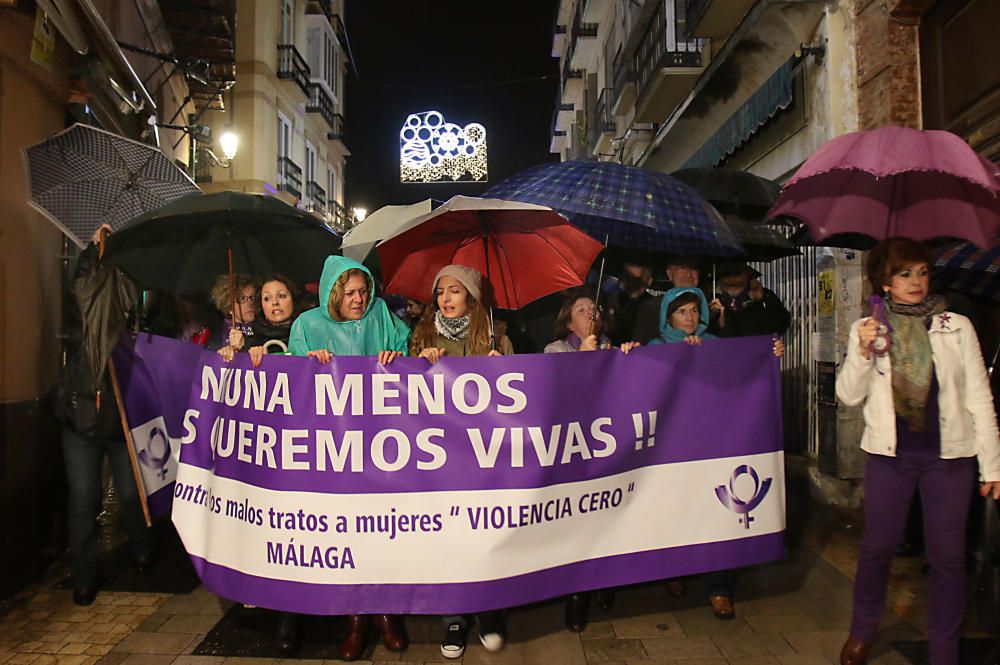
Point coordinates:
[(129, 443)]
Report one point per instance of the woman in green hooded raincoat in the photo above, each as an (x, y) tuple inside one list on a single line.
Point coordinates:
[(350, 321), (358, 324)]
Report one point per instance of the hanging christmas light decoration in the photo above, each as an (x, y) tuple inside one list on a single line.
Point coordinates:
[(432, 150)]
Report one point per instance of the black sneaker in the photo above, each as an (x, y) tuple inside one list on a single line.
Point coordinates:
[(453, 644)]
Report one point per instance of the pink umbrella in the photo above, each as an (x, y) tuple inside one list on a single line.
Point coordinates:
[(895, 181)]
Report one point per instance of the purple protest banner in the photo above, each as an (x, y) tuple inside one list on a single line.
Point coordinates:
[(155, 374), (477, 483)]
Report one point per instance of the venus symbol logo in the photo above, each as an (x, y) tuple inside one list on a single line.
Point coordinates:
[(729, 499), (156, 453)]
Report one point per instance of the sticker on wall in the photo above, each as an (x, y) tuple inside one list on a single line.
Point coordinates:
[(434, 150)]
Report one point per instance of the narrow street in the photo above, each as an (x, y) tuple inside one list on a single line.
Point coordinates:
[(795, 612)]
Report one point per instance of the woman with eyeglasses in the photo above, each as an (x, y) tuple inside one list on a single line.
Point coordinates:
[(246, 310)]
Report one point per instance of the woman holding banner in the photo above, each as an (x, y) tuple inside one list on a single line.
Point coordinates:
[(579, 328), (350, 321), (246, 309), (928, 410), (456, 324), (684, 317), (273, 324)]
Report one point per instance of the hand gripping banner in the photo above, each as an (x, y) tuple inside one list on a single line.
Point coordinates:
[(475, 484)]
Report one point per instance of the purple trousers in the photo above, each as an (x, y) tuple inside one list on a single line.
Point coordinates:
[(946, 488)]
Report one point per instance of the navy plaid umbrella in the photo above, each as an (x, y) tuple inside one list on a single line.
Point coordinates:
[(628, 206), (84, 177), (963, 267)]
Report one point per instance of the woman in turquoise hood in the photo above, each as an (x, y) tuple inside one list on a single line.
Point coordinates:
[(350, 321), (683, 317)]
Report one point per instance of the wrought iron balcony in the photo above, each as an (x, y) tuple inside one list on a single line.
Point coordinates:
[(568, 72), (292, 66), (581, 28), (600, 121), (336, 132), (337, 217), (623, 75), (289, 177), (663, 44), (320, 102), (666, 64), (316, 195)]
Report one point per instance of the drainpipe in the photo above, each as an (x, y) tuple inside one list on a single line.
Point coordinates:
[(748, 22)]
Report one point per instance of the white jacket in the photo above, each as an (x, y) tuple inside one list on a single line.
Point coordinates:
[(968, 421)]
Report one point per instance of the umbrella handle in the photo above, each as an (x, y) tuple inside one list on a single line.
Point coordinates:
[(232, 284), (102, 235), (600, 280)]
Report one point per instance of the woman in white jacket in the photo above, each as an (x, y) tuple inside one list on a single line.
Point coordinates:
[(928, 416)]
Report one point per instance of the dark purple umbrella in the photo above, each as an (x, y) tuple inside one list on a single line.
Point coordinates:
[(895, 181)]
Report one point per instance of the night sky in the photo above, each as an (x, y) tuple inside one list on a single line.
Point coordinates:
[(421, 55)]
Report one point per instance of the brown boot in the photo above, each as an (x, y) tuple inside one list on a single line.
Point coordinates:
[(355, 640), (722, 607), (855, 652), (393, 631)]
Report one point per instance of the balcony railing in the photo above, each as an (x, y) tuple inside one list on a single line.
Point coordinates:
[(663, 44), (316, 195), (320, 102), (623, 73), (336, 132), (202, 167), (581, 29), (292, 66), (600, 121), (568, 72), (289, 177), (338, 217)]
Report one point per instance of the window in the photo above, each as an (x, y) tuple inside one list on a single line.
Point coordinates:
[(331, 186), (287, 21), (284, 137), (330, 73), (310, 162)]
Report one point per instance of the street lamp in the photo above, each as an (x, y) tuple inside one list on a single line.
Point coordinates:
[(229, 142), (359, 214)]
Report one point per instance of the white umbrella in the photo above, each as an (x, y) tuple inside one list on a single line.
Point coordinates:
[(381, 224)]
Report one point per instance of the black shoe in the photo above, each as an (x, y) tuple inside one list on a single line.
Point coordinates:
[(84, 596), (453, 644), (577, 606), (288, 632)]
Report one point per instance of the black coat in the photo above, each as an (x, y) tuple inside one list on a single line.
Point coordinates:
[(76, 399), (767, 316)]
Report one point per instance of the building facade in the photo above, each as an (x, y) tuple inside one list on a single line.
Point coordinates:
[(105, 63), (287, 107), (759, 85)]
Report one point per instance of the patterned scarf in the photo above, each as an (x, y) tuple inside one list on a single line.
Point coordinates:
[(455, 329), (910, 355)]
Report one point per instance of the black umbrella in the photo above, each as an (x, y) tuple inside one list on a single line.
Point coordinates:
[(760, 241), (183, 246), (105, 297), (732, 191)]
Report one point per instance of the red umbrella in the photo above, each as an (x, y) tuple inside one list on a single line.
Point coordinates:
[(525, 251), (895, 181)]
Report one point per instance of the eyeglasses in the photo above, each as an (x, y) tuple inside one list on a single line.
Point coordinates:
[(244, 299)]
